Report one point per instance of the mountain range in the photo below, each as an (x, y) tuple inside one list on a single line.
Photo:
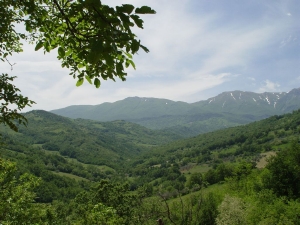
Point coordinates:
[(189, 119)]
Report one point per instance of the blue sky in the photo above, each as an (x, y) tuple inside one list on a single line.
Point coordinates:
[(198, 49)]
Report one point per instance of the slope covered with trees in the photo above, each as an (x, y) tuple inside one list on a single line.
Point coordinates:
[(99, 143), (164, 184), (256, 137), (211, 152)]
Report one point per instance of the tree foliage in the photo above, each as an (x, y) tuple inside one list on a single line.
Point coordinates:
[(284, 172), (94, 41), (16, 195), (232, 211), (108, 201), (11, 102)]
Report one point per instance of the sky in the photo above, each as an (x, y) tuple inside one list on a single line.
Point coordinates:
[(198, 49)]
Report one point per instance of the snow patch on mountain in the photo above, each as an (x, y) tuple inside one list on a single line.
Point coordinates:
[(232, 96)]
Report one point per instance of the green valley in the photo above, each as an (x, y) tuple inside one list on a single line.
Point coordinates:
[(143, 174)]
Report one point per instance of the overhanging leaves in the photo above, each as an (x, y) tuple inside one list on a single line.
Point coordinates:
[(125, 8), (39, 45), (61, 52), (144, 10), (93, 40), (88, 79), (97, 82), (10, 98), (79, 82), (138, 21)]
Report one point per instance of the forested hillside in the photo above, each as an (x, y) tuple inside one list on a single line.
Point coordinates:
[(60, 149), (225, 110), (255, 137), (199, 177), (88, 141), (245, 142)]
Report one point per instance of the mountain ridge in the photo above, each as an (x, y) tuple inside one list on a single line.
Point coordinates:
[(227, 109)]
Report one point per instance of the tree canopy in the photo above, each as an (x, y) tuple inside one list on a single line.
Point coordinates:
[(94, 41)]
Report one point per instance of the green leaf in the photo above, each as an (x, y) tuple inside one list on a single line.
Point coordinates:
[(28, 27), (128, 55), (61, 52), (135, 45), (42, 29), (47, 47), (79, 82), (88, 79), (109, 60), (93, 3), (132, 63), (68, 52), (144, 10), (93, 57), (125, 19), (97, 82), (119, 68), (80, 65), (144, 48), (125, 8), (39, 45), (138, 21), (95, 53)]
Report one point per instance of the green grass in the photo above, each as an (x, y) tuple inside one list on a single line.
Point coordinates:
[(37, 145), (52, 152), (72, 176), (202, 168), (58, 130), (219, 189), (231, 149), (103, 168)]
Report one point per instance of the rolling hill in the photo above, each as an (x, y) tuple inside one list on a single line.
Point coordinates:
[(61, 150), (272, 134), (92, 142)]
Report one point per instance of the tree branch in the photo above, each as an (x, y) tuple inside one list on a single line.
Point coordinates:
[(68, 22), (11, 65), (168, 208)]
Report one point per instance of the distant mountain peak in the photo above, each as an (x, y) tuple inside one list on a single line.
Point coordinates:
[(229, 108)]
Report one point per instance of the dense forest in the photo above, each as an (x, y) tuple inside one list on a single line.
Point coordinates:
[(66, 171)]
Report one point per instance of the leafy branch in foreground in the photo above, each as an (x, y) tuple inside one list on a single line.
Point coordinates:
[(11, 101), (93, 40)]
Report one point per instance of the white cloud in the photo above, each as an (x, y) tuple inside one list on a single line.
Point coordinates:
[(176, 89), (63, 92), (269, 86)]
